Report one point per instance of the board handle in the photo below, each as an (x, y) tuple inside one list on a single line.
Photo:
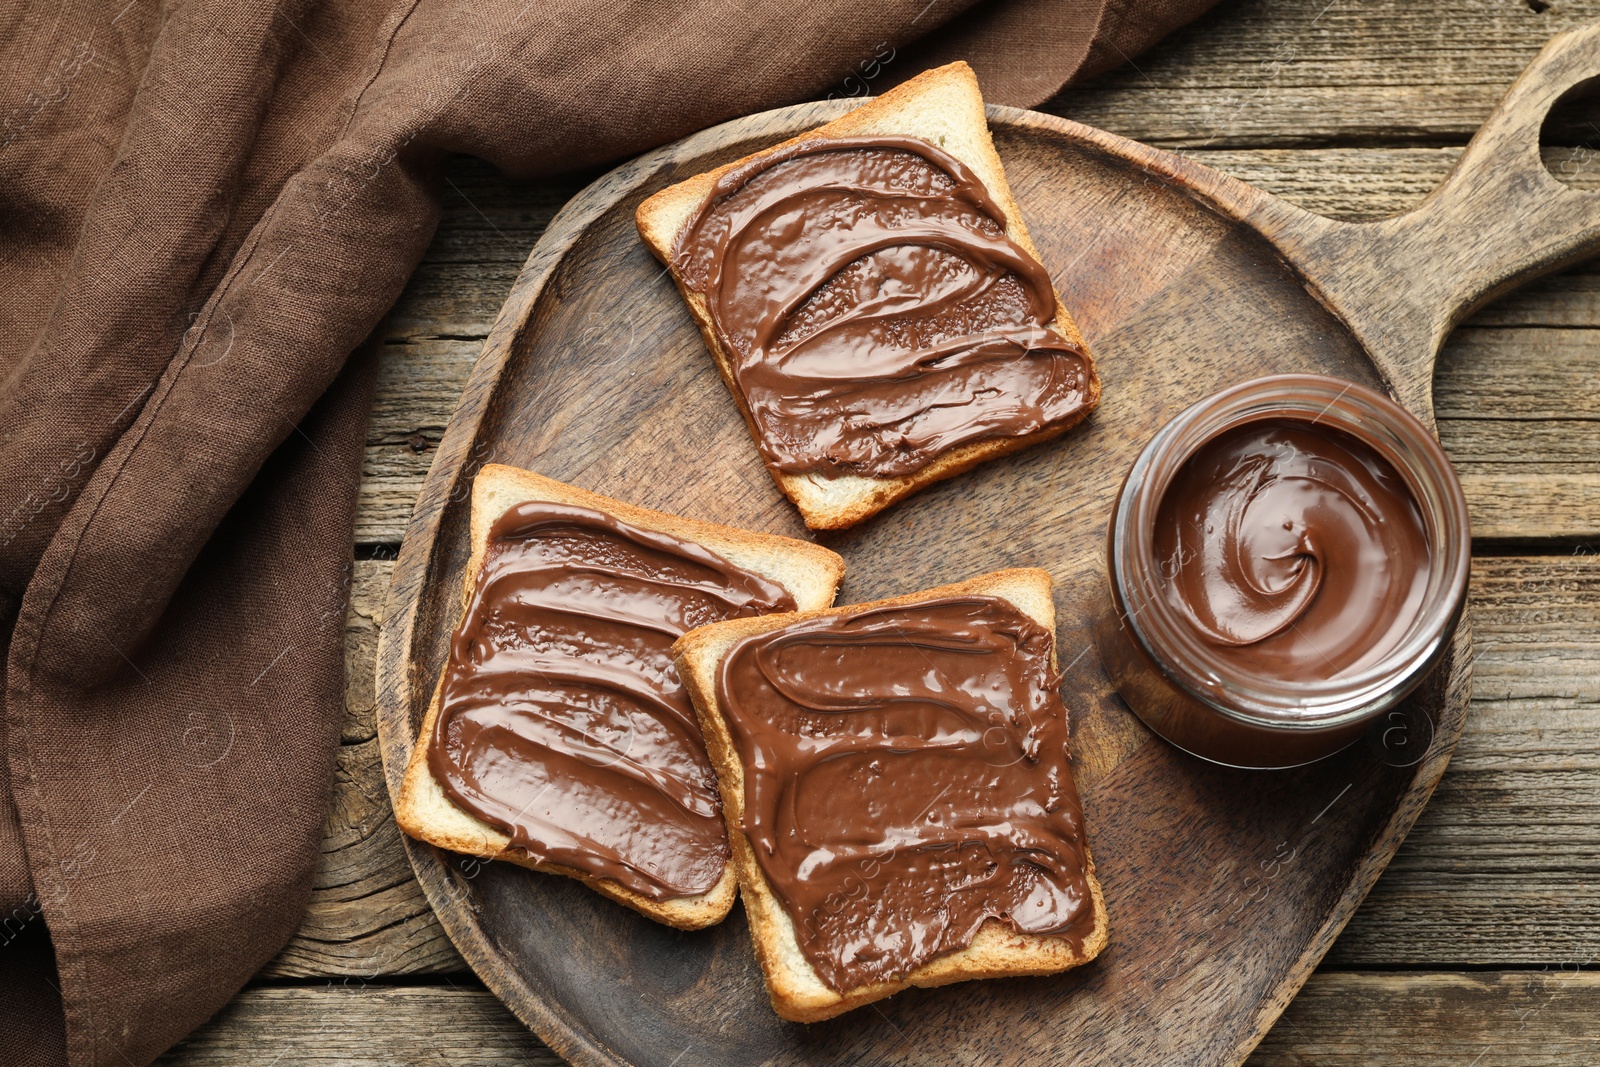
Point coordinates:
[(1500, 219)]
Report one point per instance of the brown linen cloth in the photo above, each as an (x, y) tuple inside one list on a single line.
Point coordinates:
[(205, 207)]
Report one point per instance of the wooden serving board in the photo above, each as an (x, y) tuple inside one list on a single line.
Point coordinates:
[(1224, 887)]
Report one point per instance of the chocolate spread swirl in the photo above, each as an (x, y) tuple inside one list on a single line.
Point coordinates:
[(874, 310), (906, 779), (1294, 550), (563, 721)]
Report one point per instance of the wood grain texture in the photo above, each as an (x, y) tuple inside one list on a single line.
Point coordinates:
[(592, 375), (1499, 219), (1533, 1019), (357, 1024), (1504, 865), (1537, 1019), (1325, 72)]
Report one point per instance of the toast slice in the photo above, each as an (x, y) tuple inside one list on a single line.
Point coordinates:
[(809, 573), (797, 990), (943, 106)]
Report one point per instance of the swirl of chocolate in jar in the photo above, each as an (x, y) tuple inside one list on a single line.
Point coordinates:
[(906, 779), (563, 721), (873, 308), (1294, 550)]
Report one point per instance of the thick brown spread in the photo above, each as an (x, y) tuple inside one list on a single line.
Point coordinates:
[(906, 779), (874, 310), (563, 721), (1294, 550)]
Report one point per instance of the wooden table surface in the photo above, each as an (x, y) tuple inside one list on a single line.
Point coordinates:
[(1481, 943)]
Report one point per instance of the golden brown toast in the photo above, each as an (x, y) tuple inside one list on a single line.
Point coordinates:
[(797, 992), (943, 106), (810, 574)]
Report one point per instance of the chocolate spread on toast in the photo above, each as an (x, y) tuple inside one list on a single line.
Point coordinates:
[(874, 310), (563, 721), (906, 779)]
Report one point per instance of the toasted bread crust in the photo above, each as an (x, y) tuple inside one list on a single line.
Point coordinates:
[(797, 992), (943, 105), (809, 572)]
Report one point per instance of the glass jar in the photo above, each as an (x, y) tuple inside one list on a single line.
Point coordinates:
[(1212, 705)]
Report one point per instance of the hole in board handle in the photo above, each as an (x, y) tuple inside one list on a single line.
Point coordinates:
[(1569, 139)]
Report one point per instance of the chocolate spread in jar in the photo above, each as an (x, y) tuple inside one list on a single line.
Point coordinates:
[(1294, 550), (874, 310), (563, 721), (906, 779)]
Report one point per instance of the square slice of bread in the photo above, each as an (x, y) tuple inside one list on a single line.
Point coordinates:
[(798, 993), (943, 106), (810, 573)]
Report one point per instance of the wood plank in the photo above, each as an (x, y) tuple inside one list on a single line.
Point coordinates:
[(1520, 418), (1530, 375), (1533, 1019), (363, 1025), (1504, 864), (1368, 183), (1318, 72)]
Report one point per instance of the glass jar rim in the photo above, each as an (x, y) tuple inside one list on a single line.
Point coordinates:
[(1370, 417)]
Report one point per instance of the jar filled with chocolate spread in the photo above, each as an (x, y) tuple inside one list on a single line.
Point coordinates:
[(1287, 559)]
